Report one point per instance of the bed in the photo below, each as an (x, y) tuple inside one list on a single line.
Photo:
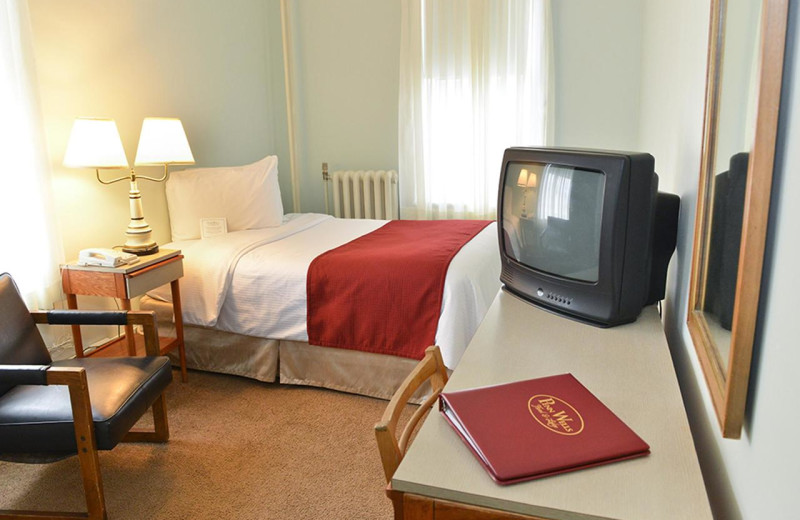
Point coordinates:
[(244, 301)]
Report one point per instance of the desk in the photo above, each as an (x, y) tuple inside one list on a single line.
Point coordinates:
[(126, 282), (628, 368)]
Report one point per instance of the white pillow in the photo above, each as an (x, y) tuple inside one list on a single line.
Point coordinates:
[(249, 197)]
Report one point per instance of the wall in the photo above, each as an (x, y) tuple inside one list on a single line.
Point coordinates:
[(219, 68), (346, 73), (597, 63), (212, 64), (346, 76), (753, 477)]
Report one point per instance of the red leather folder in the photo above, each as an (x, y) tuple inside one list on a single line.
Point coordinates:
[(539, 427)]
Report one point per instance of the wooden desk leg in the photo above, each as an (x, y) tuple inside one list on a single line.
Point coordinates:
[(178, 318), (131, 339), (77, 339), (397, 501)]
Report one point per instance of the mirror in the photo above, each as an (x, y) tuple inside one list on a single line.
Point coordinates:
[(743, 82)]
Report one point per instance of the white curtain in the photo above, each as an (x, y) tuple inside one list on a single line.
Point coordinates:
[(30, 245), (474, 80)]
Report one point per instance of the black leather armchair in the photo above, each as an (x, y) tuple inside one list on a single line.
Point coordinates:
[(50, 410)]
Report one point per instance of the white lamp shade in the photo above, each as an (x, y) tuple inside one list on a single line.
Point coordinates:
[(95, 143), (522, 180), (532, 178), (163, 141)]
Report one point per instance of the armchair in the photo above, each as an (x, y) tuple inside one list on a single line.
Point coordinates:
[(54, 409)]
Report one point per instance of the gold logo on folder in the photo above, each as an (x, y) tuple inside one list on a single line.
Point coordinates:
[(555, 414)]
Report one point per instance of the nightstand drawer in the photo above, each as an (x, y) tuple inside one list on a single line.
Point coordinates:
[(139, 282), (93, 283)]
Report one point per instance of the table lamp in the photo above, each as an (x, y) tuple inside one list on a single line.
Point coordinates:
[(95, 143), (162, 141)]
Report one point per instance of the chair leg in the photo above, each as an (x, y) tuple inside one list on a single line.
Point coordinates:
[(161, 425), (160, 419), (92, 483), (87, 448), (75, 379)]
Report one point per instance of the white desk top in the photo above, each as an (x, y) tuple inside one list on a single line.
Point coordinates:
[(628, 368)]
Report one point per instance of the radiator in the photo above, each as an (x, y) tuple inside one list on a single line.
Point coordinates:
[(365, 194)]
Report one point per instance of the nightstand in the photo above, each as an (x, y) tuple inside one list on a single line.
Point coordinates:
[(126, 282)]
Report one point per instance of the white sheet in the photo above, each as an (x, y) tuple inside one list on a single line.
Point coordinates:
[(209, 265), (262, 291)]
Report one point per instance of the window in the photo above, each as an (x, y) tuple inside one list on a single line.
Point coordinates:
[(473, 82)]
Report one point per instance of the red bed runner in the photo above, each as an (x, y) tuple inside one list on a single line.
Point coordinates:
[(382, 292)]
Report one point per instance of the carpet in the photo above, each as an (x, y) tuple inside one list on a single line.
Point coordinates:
[(238, 449)]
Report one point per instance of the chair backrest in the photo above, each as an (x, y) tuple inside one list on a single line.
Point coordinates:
[(20, 341), (392, 449)]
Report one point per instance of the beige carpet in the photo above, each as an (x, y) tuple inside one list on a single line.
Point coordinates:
[(238, 449)]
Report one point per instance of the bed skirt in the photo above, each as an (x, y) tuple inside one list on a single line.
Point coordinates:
[(286, 361)]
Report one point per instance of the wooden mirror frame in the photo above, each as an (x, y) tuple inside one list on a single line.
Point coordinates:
[(728, 385)]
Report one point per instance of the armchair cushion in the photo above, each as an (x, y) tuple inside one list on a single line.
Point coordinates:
[(39, 418)]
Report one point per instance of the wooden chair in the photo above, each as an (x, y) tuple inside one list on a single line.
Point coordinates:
[(431, 368), (50, 410)]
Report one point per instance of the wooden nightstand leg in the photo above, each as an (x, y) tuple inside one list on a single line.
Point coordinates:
[(77, 339), (129, 337), (178, 318)]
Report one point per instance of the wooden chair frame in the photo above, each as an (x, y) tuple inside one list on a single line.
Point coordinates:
[(432, 368), (75, 379)]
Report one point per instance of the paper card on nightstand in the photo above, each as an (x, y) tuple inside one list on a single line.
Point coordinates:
[(211, 227)]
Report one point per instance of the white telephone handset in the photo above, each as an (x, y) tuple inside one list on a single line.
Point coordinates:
[(105, 257)]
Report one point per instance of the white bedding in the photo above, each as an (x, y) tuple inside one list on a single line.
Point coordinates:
[(254, 282)]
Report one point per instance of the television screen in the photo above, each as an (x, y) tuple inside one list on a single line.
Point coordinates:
[(552, 218)]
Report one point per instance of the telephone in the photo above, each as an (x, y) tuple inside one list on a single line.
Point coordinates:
[(105, 257)]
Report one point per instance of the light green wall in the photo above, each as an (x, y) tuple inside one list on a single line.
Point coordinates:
[(347, 71), (346, 74), (597, 63), (219, 67), (212, 64)]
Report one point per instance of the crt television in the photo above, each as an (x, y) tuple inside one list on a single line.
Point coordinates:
[(585, 233)]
